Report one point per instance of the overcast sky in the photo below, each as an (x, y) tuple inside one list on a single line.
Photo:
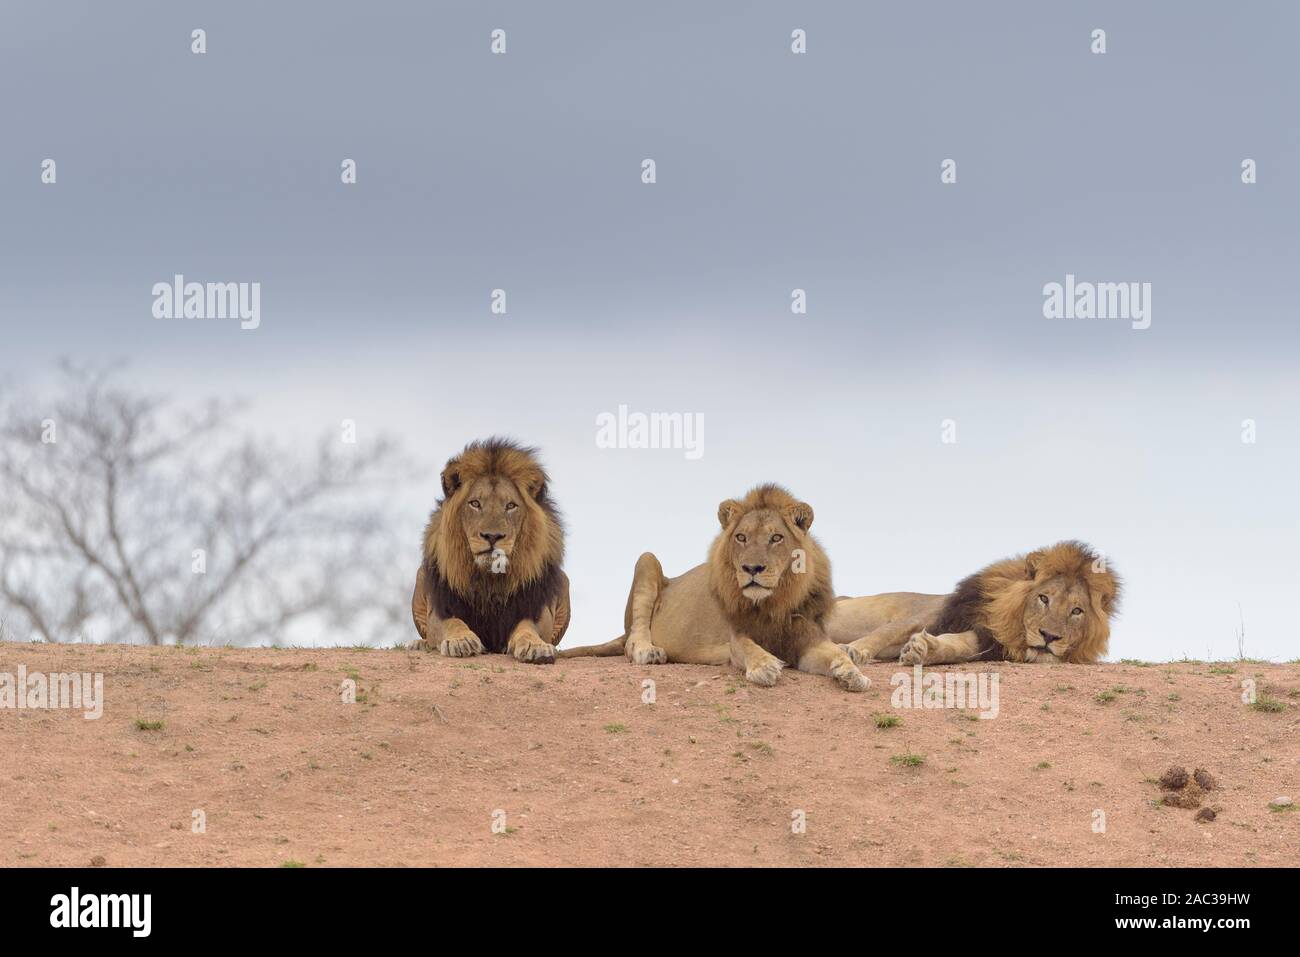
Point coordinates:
[(775, 172)]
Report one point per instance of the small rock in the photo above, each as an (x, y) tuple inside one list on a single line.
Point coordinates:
[(1281, 801), (1206, 814), (1175, 779), (1205, 779), (98, 861)]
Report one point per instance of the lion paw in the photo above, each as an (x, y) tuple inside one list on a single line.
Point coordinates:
[(462, 645), (535, 652), (766, 673), (847, 675), (916, 649), (857, 657), (648, 654)]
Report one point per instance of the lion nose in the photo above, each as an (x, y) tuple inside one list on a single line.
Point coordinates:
[(1048, 636), (491, 537), (753, 569)]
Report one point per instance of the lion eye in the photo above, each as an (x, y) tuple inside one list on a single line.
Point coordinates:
[(1077, 611), (1043, 599), (511, 506), (475, 503), (776, 539), (740, 538)]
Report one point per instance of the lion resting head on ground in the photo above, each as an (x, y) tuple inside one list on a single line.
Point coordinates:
[(1055, 603), (768, 572), (493, 548)]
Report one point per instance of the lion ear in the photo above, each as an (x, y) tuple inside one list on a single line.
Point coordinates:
[(728, 510), (1109, 598), (800, 515), (450, 477), (1032, 561), (535, 487)]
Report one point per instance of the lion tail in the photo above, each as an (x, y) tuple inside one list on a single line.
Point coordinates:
[(607, 650)]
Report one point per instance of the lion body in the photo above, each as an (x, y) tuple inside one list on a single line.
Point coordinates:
[(761, 600), (687, 621), (491, 576), (901, 613), (1053, 604), (491, 614)]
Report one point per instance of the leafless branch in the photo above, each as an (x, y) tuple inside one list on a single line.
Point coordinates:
[(139, 520)]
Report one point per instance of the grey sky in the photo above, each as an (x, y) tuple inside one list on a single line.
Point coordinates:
[(775, 171)]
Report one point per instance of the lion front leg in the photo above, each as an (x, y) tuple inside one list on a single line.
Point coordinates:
[(453, 638), (884, 643), (526, 642), (827, 658), (449, 636), (761, 667), (924, 648)]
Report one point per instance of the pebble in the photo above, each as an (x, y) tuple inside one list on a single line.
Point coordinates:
[(1281, 801)]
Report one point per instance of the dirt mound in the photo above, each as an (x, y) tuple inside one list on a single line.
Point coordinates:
[(228, 756)]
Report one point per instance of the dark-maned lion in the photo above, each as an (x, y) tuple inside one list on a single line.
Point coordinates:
[(1054, 604), (491, 578), (760, 601)]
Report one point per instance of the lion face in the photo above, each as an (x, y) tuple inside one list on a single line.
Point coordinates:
[(1056, 618), (764, 545), (496, 527), (1054, 604), (491, 516)]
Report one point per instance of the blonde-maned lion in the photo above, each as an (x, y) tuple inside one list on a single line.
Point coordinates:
[(1054, 604), (759, 602), (491, 578)]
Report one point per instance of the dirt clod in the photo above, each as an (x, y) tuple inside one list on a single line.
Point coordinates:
[(1175, 779), (1188, 791), (1189, 797)]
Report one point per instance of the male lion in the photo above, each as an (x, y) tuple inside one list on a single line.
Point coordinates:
[(760, 601), (491, 577), (1054, 604)]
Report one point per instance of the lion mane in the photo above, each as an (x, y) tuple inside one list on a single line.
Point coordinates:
[(992, 601), (492, 604), (806, 593)]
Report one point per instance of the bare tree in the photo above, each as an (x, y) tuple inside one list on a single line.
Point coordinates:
[(124, 515)]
